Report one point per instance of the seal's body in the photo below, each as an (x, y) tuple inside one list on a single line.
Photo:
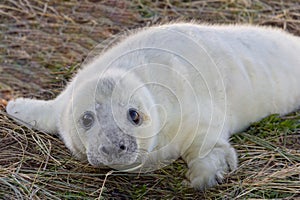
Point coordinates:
[(169, 91)]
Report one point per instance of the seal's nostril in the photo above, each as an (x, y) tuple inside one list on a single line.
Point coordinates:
[(122, 147), (105, 150)]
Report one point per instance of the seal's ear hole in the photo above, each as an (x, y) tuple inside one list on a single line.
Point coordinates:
[(134, 117)]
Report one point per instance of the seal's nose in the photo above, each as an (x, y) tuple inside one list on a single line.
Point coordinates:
[(105, 150), (114, 151)]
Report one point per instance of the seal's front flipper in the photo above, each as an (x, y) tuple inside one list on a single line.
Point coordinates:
[(209, 170), (36, 114)]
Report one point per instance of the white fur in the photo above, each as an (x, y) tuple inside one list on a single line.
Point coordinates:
[(194, 84)]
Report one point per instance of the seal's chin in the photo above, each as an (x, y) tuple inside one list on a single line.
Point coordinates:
[(133, 167), (118, 163)]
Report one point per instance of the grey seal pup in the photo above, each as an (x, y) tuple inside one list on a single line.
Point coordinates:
[(172, 90)]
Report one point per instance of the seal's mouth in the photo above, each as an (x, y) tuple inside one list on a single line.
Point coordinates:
[(119, 167), (130, 162), (132, 168), (113, 161)]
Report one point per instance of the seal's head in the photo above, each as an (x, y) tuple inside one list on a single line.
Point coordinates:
[(115, 120)]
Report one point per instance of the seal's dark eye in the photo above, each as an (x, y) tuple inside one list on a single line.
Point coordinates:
[(134, 117), (87, 120)]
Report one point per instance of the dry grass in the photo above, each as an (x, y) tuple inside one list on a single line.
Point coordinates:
[(42, 45)]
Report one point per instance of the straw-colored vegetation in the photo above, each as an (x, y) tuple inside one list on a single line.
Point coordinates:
[(42, 44)]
